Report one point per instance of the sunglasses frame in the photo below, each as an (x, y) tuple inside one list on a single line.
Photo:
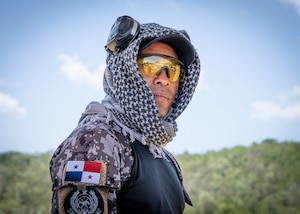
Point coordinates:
[(183, 69)]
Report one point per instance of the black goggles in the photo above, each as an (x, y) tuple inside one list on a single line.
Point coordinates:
[(151, 65)]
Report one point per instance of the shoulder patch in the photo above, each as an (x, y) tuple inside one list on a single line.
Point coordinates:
[(86, 172), (91, 200), (84, 189)]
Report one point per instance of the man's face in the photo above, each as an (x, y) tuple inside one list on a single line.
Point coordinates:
[(163, 89)]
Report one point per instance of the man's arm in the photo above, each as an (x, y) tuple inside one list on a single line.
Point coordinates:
[(85, 172)]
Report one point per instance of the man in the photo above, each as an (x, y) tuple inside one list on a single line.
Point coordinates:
[(114, 161)]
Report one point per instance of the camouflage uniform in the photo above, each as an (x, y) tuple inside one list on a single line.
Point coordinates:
[(106, 132), (96, 139)]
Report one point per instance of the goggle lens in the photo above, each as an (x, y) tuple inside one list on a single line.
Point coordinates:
[(153, 65)]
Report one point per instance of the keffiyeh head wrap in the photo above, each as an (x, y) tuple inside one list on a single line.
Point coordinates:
[(130, 99)]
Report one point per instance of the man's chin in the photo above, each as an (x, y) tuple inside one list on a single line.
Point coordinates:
[(162, 111)]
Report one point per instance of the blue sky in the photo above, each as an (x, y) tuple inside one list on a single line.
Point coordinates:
[(52, 61)]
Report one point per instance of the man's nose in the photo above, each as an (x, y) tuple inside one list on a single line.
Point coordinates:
[(162, 77)]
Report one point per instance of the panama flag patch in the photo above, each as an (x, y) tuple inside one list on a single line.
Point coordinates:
[(83, 171)]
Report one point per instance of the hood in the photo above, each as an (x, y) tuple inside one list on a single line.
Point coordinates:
[(124, 83)]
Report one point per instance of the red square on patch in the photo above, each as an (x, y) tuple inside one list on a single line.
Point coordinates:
[(90, 166)]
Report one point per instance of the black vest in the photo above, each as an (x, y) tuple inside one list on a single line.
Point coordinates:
[(153, 187)]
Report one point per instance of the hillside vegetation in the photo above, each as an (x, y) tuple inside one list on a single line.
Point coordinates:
[(261, 179)]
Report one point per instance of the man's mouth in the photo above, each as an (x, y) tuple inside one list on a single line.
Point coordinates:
[(160, 97)]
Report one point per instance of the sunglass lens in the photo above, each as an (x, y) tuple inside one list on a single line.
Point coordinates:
[(151, 66)]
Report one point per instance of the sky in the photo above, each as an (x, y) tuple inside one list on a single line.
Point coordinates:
[(52, 61)]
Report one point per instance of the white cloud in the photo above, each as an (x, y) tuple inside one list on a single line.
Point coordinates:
[(11, 106), (296, 90), (77, 72), (268, 110), (295, 3)]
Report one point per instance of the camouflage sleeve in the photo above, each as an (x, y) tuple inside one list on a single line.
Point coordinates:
[(87, 170)]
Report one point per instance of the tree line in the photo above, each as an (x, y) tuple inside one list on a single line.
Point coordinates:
[(263, 178)]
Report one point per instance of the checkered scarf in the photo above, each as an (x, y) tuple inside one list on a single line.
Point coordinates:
[(130, 99)]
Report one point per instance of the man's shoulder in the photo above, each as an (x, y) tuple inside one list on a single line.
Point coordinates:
[(103, 157), (91, 141), (94, 143)]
